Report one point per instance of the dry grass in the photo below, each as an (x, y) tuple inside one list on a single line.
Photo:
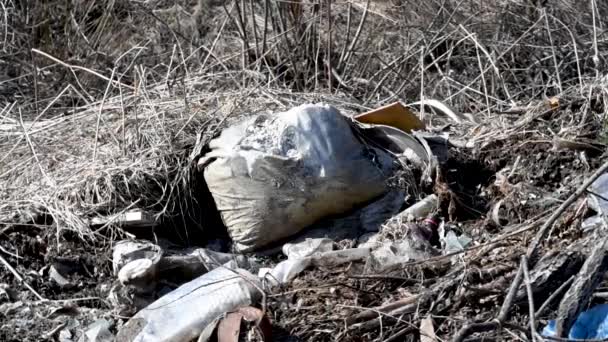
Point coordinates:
[(175, 70), (104, 101)]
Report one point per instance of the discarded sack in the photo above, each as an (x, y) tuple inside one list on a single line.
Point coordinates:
[(191, 309), (271, 177)]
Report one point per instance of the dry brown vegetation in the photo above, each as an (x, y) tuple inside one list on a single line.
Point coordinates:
[(105, 106)]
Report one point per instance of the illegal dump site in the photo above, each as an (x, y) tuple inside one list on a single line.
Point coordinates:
[(303, 170)]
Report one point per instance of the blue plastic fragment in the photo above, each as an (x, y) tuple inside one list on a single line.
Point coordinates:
[(591, 324)]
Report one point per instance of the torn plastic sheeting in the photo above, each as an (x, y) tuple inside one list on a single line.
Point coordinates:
[(404, 146), (138, 271), (183, 314), (420, 209), (307, 248), (127, 251), (591, 324), (592, 223), (99, 331), (387, 257), (369, 240), (599, 202), (455, 243), (271, 177), (136, 263), (59, 279), (287, 270), (393, 255)]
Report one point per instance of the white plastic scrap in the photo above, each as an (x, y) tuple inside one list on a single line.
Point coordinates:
[(421, 209), (455, 243), (307, 247), (393, 254), (136, 269), (58, 278), (136, 263), (599, 202), (287, 270), (184, 313), (99, 331), (369, 240), (592, 223), (127, 251)]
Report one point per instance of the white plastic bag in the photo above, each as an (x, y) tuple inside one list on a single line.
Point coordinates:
[(271, 177)]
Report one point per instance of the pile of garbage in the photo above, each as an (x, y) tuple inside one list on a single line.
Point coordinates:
[(299, 182), (344, 227)]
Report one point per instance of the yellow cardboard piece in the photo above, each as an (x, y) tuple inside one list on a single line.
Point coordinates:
[(394, 115)]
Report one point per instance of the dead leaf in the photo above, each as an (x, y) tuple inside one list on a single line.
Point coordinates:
[(553, 103), (229, 328)]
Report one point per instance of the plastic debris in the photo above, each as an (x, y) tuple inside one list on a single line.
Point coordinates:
[(392, 255), (369, 240), (599, 202), (127, 251), (307, 248), (136, 263), (99, 331), (454, 243), (426, 231), (287, 270), (406, 147), (591, 324), (132, 219), (65, 335), (421, 208), (427, 330), (58, 278), (592, 223), (195, 262), (183, 314)]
